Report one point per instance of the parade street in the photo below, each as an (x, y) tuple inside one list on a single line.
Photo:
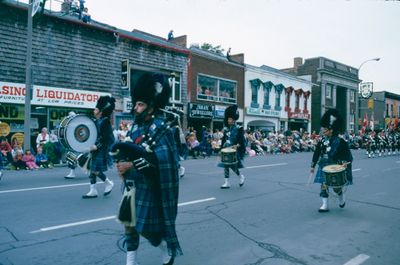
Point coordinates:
[(272, 219)]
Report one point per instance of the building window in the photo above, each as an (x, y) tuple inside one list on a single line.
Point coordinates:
[(387, 110), (391, 110), (297, 107), (328, 91), (210, 88), (255, 85), (277, 99), (278, 90), (267, 89), (227, 91), (352, 96), (176, 89)]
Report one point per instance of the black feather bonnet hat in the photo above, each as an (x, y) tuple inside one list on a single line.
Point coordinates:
[(152, 89), (332, 120), (106, 105), (231, 112)]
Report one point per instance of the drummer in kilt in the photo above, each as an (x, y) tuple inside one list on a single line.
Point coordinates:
[(101, 159), (331, 149), (233, 137)]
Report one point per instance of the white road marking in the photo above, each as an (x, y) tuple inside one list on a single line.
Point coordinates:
[(197, 201), (270, 165), (356, 169), (46, 188), (357, 260), (45, 229)]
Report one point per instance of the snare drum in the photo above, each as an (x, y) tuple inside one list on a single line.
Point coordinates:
[(77, 132), (228, 156), (335, 175)]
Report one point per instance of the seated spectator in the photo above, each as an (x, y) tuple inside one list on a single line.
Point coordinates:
[(57, 147), (15, 150), (193, 145), (18, 161), (42, 138), (86, 16), (5, 149), (30, 160), (41, 159)]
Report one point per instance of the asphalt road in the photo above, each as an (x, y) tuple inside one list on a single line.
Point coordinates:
[(272, 219)]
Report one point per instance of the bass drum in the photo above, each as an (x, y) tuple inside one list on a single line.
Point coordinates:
[(77, 132)]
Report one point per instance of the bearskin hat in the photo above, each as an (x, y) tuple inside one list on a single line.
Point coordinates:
[(332, 120), (152, 89), (106, 105), (231, 112)]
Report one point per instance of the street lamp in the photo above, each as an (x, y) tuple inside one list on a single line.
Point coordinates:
[(373, 59), (365, 89)]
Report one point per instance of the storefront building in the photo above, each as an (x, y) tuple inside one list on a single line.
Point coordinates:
[(335, 85), (381, 111), (216, 82), (275, 100), (49, 106), (70, 57)]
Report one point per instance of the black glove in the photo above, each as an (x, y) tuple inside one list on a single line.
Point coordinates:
[(146, 166)]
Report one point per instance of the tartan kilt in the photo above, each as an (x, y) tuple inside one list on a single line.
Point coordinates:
[(99, 161)]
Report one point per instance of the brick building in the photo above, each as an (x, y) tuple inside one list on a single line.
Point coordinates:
[(71, 60), (215, 82)]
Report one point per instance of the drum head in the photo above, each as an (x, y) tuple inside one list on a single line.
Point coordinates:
[(228, 150), (333, 169), (80, 133)]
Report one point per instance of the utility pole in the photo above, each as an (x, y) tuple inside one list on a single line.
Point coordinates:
[(28, 82)]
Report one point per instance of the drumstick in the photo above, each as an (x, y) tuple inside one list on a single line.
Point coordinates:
[(309, 179)]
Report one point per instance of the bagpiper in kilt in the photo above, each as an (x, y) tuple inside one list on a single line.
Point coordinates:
[(153, 177)]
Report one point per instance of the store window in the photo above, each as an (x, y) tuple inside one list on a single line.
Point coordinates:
[(328, 91), (214, 89), (176, 88), (352, 96)]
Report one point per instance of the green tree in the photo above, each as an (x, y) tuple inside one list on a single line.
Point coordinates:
[(209, 47)]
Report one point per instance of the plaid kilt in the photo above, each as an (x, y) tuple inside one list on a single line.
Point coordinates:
[(156, 197), (100, 160)]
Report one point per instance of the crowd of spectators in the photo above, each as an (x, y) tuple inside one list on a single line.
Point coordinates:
[(258, 142), (78, 8), (50, 152), (47, 153)]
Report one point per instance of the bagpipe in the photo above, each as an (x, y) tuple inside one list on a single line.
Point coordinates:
[(129, 151)]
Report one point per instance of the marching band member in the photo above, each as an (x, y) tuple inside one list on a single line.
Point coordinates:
[(71, 165), (331, 149), (154, 177), (100, 150), (233, 137)]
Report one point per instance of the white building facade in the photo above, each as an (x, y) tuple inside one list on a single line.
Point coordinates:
[(275, 100)]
